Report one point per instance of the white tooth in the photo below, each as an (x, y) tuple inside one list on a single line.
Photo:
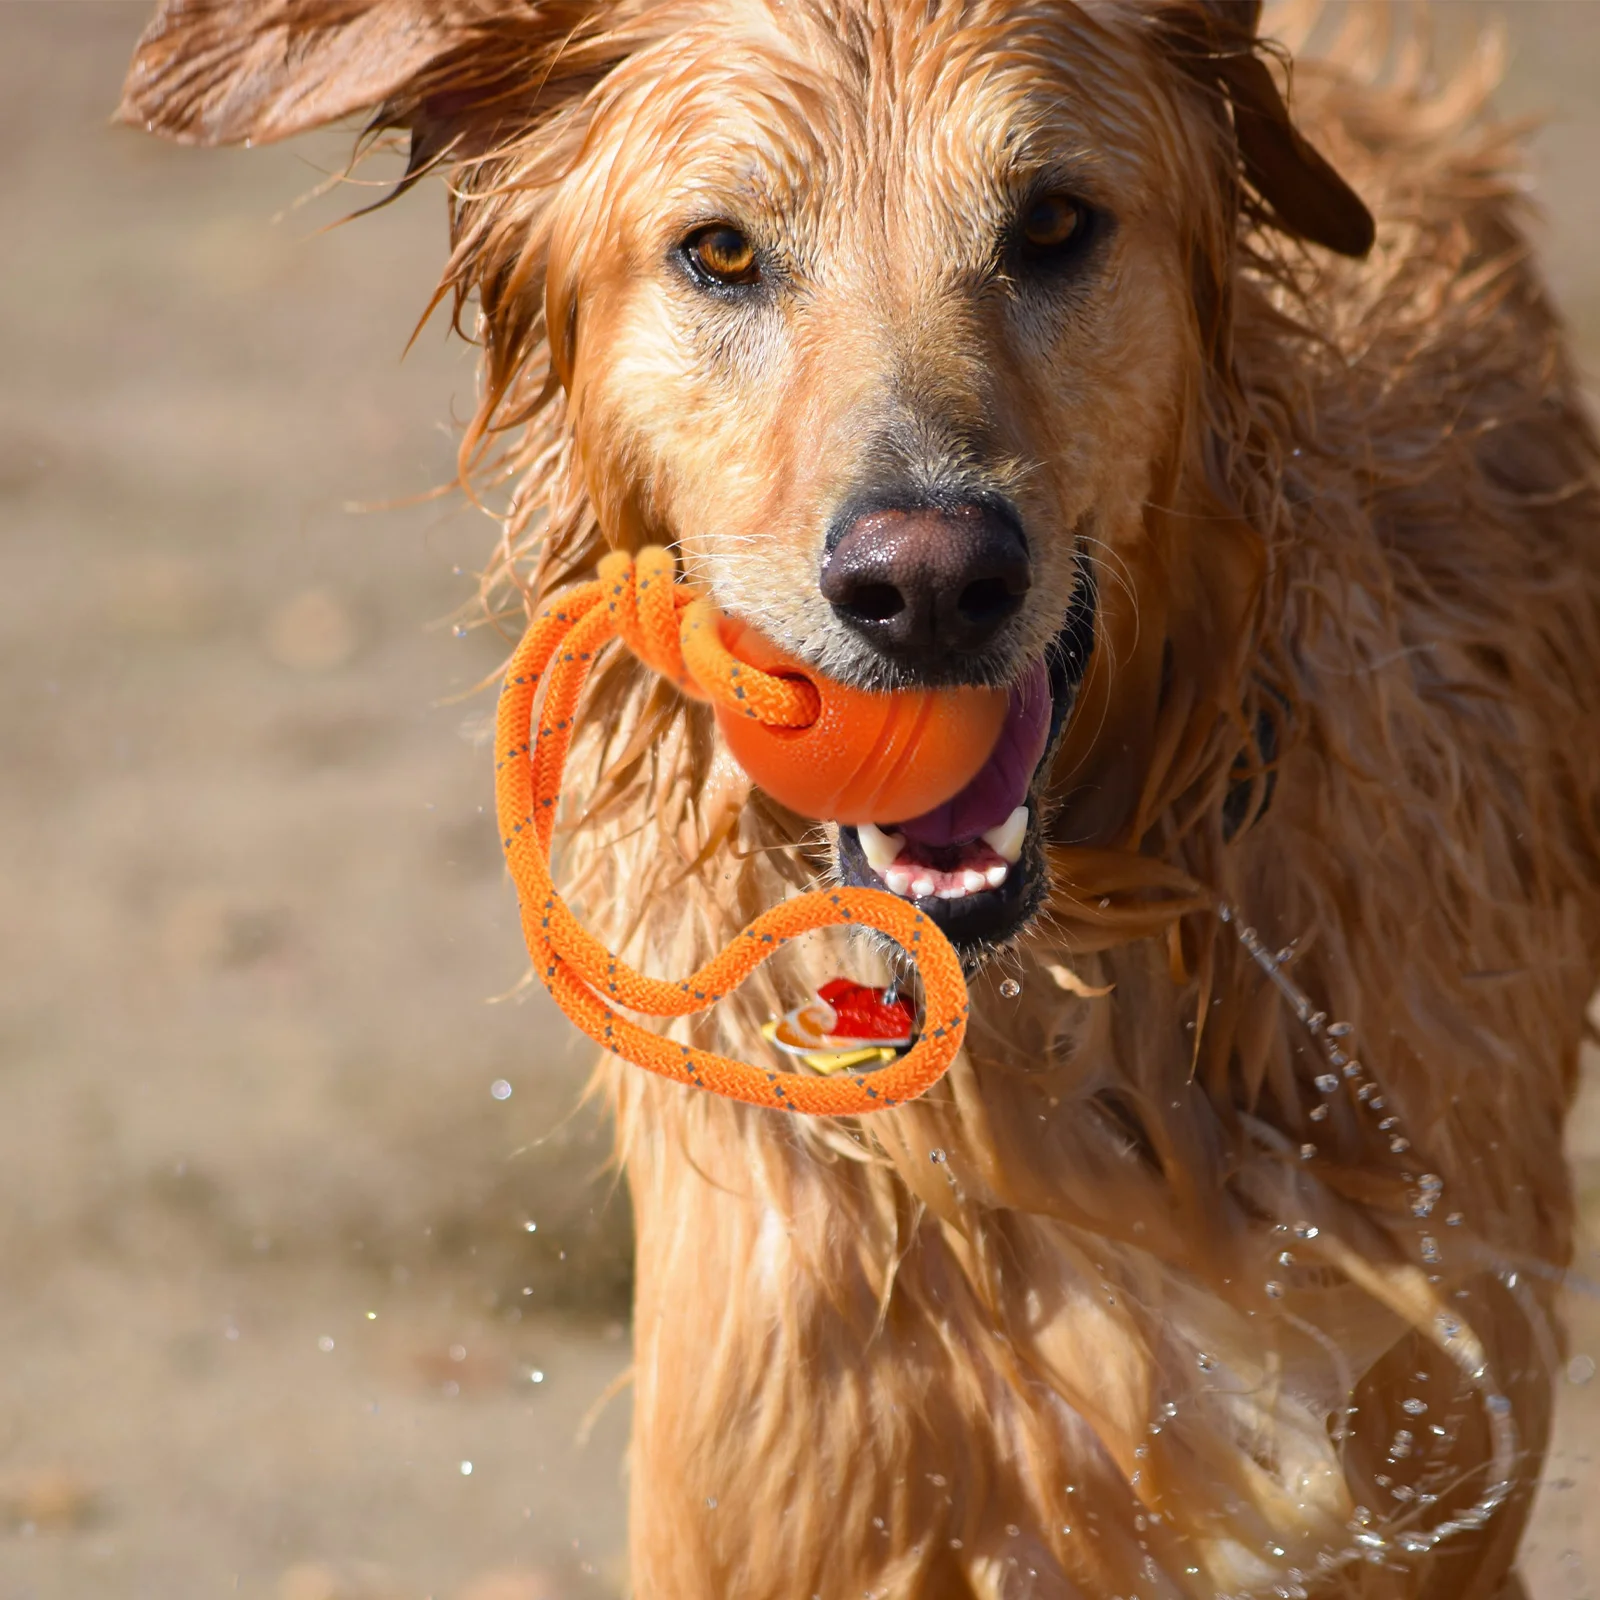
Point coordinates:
[(953, 891), (922, 888), (897, 880), (972, 881), (880, 848), (1006, 840), (996, 875)]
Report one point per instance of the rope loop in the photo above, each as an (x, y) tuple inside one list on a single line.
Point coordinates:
[(676, 632)]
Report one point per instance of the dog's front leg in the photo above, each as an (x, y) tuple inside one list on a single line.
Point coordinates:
[(812, 1414)]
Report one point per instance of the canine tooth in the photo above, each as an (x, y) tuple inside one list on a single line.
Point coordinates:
[(997, 874), (972, 881), (897, 880), (879, 847), (1006, 840), (922, 888)]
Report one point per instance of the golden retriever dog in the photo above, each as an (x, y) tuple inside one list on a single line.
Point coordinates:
[(1215, 409)]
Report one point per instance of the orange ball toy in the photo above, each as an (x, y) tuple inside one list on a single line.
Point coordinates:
[(868, 757)]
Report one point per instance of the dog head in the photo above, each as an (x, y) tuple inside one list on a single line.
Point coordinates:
[(901, 323)]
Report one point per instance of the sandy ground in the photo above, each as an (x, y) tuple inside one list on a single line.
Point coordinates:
[(291, 1304)]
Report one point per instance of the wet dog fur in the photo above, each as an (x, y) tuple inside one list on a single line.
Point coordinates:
[(1134, 1303)]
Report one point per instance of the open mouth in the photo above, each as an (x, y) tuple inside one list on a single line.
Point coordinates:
[(976, 864)]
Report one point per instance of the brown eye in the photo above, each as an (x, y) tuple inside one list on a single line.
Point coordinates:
[(1049, 223), (722, 254)]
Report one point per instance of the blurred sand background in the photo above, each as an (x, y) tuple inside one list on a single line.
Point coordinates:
[(294, 1302)]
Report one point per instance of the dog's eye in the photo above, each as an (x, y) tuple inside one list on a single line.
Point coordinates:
[(1051, 223), (721, 254)]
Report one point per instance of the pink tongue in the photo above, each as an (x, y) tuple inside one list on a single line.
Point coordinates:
[(1002, 784)]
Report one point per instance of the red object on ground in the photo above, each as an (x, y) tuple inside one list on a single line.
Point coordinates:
[(860, 1013)]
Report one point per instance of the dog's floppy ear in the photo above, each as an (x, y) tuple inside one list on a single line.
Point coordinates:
[(455, 73), (1214, 42), (227, 71)]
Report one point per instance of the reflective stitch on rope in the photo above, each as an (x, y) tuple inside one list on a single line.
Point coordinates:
[(674, 631)]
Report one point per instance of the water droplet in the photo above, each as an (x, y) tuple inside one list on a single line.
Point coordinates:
[(1318, 1113), (535, 1376), (1205, 1362), (1580, 1369), (1327, 1082), (711, 1502), (500, 1089), (1430, 1250), (1413, 1407), (1308, 1152), (460, 630), (325, 1344), (1274, 1289), (1224, 913), (1455, 1219), (458, 1352), (466, 1469), (936, 1157), (1285, 955), (530, 1227), (1400, 1446), (1013, 1531), (1010, 988), (1306, 1230), (1399, 1146), (1498, 1405)]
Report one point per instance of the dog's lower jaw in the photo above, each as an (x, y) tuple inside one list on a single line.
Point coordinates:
[(980, 925)]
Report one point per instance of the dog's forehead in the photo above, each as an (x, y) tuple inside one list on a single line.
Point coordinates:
[(795, 102)]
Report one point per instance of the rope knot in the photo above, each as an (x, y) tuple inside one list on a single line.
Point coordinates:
[(677, 633)]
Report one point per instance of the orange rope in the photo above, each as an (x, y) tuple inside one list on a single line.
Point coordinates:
[(674, 631)]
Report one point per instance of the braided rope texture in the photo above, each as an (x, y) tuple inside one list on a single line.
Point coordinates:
[(673, 630)]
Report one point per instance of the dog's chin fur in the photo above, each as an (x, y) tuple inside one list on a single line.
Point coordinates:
[(1145, 1298)]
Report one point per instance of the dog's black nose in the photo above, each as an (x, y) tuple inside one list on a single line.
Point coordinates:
[(925, 583)]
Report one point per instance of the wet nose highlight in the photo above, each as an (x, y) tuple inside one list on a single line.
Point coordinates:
[(923, 583)]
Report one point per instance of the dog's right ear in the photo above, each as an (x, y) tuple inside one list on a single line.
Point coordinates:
[(455, 73), (231, 71)]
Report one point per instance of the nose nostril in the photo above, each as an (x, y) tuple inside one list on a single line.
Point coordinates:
[(875, 602), (987, 600), (928, 584)]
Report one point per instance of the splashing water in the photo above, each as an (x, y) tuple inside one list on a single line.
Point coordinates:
[(1449, 1333)]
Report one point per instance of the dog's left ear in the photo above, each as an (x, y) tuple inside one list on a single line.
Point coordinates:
[(1215, 43)]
